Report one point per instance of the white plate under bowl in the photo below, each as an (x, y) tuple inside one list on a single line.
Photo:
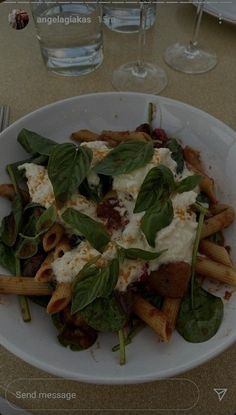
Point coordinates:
[(147, 358)]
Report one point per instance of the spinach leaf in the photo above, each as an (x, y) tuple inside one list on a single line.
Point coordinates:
[(189, 183), (136, 253), (104, 314), (27, 249), (34, 143), (200, 323), (95, 232), (99, 284), (11, 224), (7, 258), (176, 153), (27, 246), (125, 158), (158, 184), (77, 338), (67, 167), (155, 219), (203, 198), (46, 220)]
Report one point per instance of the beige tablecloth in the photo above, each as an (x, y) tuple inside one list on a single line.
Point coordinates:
[(25, 85)]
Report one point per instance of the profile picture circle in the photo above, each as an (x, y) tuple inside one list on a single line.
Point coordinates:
[(18, 19)]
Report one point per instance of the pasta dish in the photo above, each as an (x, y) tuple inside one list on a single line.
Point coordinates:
[(115, 231)]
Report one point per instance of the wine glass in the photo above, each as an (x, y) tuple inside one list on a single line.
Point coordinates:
[(189, 58), (140, 76)]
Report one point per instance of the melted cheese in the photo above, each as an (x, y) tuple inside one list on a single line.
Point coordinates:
[(67, 267), (40, 187), (177, 238)]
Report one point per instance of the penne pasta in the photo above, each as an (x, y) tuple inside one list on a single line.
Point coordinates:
[(206, 185), (61, 297), (155, 318), (192, 157), (212, 269), (216, 252), (45, 272), (85, 135), (171, 308), (52, 237), (121, 136), (7, 191), (23, 286), (112, 137), (62, 247), (217, 222)]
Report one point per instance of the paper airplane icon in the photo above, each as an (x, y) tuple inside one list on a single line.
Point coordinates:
[(220, 392)]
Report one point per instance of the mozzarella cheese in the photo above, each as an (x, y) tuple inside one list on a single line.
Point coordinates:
[(40, 187), (67, 267), (177, 238)]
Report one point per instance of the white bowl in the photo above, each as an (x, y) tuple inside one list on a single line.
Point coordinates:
[(147, 358)]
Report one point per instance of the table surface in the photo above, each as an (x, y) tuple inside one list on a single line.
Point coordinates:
[(25, 85)]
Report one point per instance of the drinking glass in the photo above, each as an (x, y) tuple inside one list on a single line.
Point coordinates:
[(188, 57), (140, 76), (70, 35), (124, 17)]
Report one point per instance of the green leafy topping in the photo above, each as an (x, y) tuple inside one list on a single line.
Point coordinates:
[(155, 219), (7, 258), (67, 167), (104, 314), (34, 143), (11, 224), (195, 248), (95, 232), (203, 198), (46, 220), (158, 184), (100, 283), (136, 253), (176, 154), (189, 183), (125, 158), (122, 346), (200, 323)]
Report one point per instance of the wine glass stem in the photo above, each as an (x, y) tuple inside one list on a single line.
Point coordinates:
[(142, 37), (198, 18)]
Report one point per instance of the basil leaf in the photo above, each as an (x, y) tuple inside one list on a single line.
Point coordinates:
[(7, 258), (176, 154), (155, 219), (189, 183), (95, 232), (125, 158), (158, 184), (134, 253), (99, 284), (200, 323), (67, 167), (11, 224), (104, 314), (35, 143), (46, 220)]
